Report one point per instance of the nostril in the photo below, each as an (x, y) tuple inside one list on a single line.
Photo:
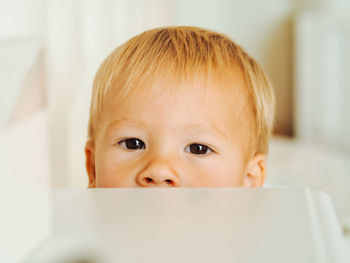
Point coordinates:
[(169, 181), (148, 180)]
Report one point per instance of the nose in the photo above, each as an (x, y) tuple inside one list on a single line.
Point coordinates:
[(158, 173)]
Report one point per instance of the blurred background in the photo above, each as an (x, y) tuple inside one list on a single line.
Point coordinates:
[(51, 49)]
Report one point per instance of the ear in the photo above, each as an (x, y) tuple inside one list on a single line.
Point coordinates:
[(90, 163), (256, 172)]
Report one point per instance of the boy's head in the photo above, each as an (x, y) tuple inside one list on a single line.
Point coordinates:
[(179, 106)]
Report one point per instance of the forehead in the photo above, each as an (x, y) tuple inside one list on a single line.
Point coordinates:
[(169, 82), (209, 97)]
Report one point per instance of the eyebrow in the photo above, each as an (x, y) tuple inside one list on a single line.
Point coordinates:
[(206, 129), (123, 121), (139, 123)]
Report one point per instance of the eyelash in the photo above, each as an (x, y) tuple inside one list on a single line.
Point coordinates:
[(140, 145)]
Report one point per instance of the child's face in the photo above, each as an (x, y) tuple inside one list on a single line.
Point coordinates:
[(192, 137)]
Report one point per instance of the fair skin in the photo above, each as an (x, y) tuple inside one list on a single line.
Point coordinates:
[(185, 137)]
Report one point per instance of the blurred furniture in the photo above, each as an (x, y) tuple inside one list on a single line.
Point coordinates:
[(320, 156), (322, 77)]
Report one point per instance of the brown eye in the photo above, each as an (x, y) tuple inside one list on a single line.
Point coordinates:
[(132, 144), (197, 148)]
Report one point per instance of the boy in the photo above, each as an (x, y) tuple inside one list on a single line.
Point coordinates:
[(179, 107)]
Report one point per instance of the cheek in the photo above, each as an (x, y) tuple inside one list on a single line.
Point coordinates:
[(217, 172), (112, 171)]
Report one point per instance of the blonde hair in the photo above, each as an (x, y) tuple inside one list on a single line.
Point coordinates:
[(185, 52)]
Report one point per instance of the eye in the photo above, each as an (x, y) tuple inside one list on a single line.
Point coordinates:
[(197, 148), (132, 144)]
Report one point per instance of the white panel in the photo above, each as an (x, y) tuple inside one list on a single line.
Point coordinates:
[(192, 225), (322, 79), (344, 69)]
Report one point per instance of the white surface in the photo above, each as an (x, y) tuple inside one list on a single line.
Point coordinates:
[(294, 163), (347, 248), (194, 225), (24, 222)]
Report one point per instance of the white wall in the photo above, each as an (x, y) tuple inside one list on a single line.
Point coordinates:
[(22, 18)]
